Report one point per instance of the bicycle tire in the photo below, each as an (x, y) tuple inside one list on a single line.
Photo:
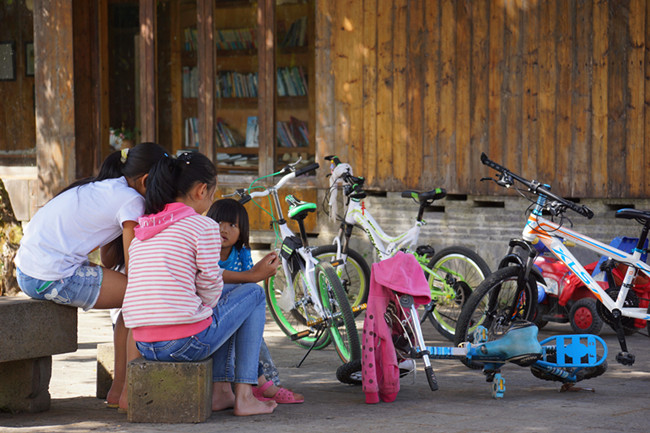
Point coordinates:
[(354, 273), (350, 372), (295, 320), (463, 270), (482, 308), (342, 328)]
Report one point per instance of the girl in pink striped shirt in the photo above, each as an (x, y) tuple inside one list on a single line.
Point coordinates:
[(173, 301)]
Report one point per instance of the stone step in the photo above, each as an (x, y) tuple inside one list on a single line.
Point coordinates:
[(169, 392)]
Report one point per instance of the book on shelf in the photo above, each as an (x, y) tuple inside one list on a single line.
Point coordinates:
[(236, 39), (191, 39), (293, 133), (236, 85), (291, 81), (227, 136), (191, 132), (252, 132), (190, 82), (296, 36)]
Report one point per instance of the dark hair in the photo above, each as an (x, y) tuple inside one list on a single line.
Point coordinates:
[(171, 178), (138, 162), (231, 211)]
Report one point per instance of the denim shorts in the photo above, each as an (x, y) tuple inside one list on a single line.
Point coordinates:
[(81, 289)]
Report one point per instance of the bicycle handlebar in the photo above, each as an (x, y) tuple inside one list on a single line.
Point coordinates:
[(289, 172), (534, 187), (307, 169)]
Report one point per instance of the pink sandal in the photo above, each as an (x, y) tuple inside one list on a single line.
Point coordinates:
[(283, 396)]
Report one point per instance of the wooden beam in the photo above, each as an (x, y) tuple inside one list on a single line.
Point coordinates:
[(266, 84), (54, 96), (147, 76), (207, 68)]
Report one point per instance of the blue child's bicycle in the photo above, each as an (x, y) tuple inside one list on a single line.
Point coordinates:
[(564, 358)]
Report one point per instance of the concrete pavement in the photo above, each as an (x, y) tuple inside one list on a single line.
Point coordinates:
[(463, 403)]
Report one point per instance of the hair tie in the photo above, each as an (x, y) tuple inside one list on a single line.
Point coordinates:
[(125, 154)]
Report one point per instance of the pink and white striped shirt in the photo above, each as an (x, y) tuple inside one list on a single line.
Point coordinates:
[(174, 276)]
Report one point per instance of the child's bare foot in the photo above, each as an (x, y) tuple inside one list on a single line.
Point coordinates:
[(124, 402), (222, 396), (246, 404), (113, 396)]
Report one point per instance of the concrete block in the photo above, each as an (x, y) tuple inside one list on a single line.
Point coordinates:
[(24, 385), (169, 392), (35, 328), (105, 369)]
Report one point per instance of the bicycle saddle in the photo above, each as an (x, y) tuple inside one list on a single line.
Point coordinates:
[(299, 209), (641, 216), (518, 345), (425, 197)]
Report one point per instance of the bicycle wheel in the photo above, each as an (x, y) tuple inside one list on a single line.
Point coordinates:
[(496, 304), (343, 329), (354, 273), (294, 320), (457, 271)]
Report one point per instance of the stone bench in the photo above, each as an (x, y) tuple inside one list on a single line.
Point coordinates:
[(32, 331)]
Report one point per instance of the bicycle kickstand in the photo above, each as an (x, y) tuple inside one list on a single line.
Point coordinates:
[(319, 332), (623, 357)]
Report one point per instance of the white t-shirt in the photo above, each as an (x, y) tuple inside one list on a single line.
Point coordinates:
[(60, 236)]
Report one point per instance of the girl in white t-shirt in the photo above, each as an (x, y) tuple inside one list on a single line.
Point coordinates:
[(52, 261)]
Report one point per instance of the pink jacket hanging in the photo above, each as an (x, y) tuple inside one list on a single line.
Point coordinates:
[(380, 373)]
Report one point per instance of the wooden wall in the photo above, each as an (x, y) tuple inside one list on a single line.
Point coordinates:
[(411, 91), (17, 132)]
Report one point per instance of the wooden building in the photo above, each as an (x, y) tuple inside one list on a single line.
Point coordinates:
[(410, 92)]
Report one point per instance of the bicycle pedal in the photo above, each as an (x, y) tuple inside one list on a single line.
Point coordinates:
[(299, 335), (625, 358)]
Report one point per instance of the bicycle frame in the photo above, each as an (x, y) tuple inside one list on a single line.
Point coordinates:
[(553, 235), (308, 263), (385, 245)]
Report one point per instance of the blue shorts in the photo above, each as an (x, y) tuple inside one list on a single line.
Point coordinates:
[(81, 289)]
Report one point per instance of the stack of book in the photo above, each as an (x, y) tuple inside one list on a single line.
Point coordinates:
[(236, 39), (191, 39), (292, 81), (227, 136), (293, 133), (236, 85), (190, 82), (191, 132), (297, 34)]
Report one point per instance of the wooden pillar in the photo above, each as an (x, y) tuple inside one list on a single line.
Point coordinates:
[(147, 77), (266, 84), (207, 68), (54, 96)]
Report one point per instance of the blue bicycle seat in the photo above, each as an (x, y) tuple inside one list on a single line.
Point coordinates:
[(519, 345)]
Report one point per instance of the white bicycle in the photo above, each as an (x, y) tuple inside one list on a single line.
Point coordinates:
[(452, 273), (305, 298)]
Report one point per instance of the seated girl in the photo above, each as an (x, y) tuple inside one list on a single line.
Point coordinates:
[(174, 301), (238, 268)]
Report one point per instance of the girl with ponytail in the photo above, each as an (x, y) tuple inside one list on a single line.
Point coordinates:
[(174, 304), (102, 211)]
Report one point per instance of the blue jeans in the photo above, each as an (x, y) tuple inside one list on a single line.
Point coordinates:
[(266, 366), (232, 340)]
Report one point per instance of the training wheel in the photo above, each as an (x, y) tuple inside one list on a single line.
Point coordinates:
[(498, 386)]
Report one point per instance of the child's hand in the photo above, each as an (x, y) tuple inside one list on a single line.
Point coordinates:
[(267, 267)]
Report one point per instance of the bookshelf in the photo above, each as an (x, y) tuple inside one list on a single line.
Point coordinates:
[(238, 103), (247, 129)]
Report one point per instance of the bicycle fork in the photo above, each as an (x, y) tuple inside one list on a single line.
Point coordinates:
[(420, 351)]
